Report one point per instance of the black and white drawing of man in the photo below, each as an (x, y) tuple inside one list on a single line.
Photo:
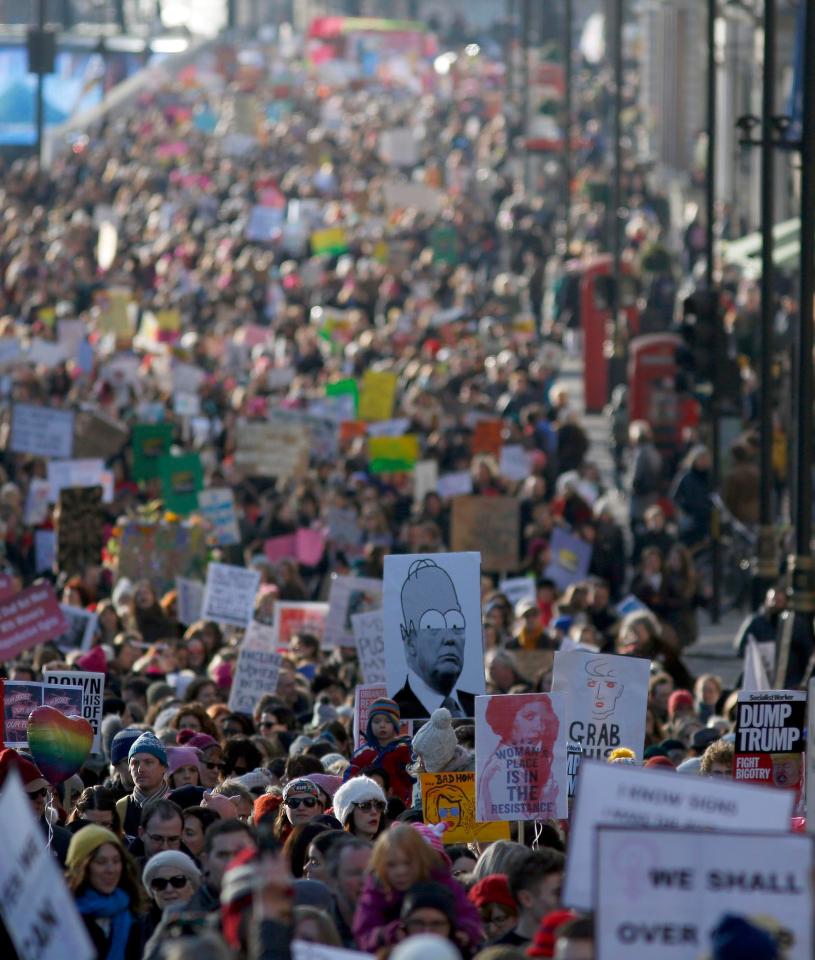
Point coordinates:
[(433, 632)]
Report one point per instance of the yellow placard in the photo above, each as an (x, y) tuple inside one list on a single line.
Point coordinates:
[(450, 798), (376, 395)]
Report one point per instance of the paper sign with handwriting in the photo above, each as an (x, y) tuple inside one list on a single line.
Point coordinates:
[(229, 596)]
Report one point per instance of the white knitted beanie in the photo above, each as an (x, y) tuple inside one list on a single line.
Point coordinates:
[(436, 741)]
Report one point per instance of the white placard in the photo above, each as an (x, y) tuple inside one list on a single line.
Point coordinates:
[(611, 794), (37, 501), (520, 757), (434, 648), (400, 196), (346, 597), (41, 431), (516, 589), (230, 593), (45, 548), (256, 674), (259, 636), (369, 630), (660, 893), (398, 147), (79, 473), (46, 353), (425, 479), (305, 950), (455, 484), (218, 507), (38, 912), (515, 463), (388, 428), (93, 696), (606, 699), (81, 629), (189, 600)]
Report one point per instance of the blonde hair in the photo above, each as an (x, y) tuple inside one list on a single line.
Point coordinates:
[(76, 876), (406, 840)]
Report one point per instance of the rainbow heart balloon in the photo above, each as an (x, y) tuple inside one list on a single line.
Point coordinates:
[(58, 744)]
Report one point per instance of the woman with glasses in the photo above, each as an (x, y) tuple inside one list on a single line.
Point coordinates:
[(359, 805), (169, 877), (104, 880), (302, 801)]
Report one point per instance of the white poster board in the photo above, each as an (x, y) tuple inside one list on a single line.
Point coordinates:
[(217, 506), (610, 794), (38, 912), (189, 600), (434, 649), (305, 950), (516, 589), (81, 629), (606, 699), (256, 674), (348, 596), (93, 696), (520, 757), (79, 473), (661, 892), (229, 595), (369, 630), (41, 431)]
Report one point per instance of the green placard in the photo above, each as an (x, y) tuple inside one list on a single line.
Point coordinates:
[(151, 441), (342, 388), (444, 239), (181, 479)]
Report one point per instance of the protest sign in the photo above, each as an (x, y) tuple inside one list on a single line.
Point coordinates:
[(343, 528), (319, 433), (306, 950), (346, 597), (160, 552), (514, 463), (295, 616), (759, 659), (92, 686), (182, 478), (770, 743), (306, 546), (450, 798), (46, 353), (570, 561), (369, 637), (20, 697), (377, 393), (81, 626), (606, 698), (256, 674), (259, 636), (455, 484), (444, 241), (217, 507), (8, 586), (400, 196), (271, 449), (189, 600), (611, 794), (662, 892), (27, 618), (398, 147), (490, 525), (38, 500), (229, 595), (520, 757), (393, 454), (151, 441), (39, 913), (98, 435), (45, 550), (79, 522), (432, 613), (364, 696), (425, 479), (265, 224), (487, 438), (88, 472), (331, 241), (516, 589), (41, 431)]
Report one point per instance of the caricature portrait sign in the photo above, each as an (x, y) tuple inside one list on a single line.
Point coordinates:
[(520, 757), (450, 798), (434, 654), (606, 698)]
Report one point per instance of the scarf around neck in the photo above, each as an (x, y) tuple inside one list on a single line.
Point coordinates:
[(145, 799), (109, 906)]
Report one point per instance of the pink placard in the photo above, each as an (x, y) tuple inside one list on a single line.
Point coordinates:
[(281, 548), (28, 618), (310, 546)]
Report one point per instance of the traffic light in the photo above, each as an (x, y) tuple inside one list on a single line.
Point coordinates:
[(704, 354)]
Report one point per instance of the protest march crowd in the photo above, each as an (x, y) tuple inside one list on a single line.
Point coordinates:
[(321, 629)]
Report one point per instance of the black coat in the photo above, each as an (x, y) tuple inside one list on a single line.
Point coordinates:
[(412, 708), (101, 942)]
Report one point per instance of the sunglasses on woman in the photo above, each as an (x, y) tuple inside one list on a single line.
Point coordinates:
[(213, 765), (377, 805), (294, 802), (160, 883)]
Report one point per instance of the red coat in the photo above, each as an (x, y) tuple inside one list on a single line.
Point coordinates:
[(393, 758)]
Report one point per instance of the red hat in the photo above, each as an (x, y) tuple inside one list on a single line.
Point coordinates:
[(94, 661), (659, 762), (679, 699), (493, 888), (266, 805), (32, 779), (237, 887), (544, 943)]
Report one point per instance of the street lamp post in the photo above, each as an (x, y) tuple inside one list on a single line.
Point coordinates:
[(567, 123), (616, 360)]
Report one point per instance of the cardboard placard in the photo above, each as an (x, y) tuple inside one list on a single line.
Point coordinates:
[(348, 596), (369, 635), (27, 618), (89, 472), (364, 696), (189, 600), (151, 441), (490, 525), (606, 699), (571, 558), (256, 674), (41, 431), (487, 438), (662, 892), (98, 435), (770, 742), (294, 616), (450, 798), (401, 195), (393, 454), (271, 449), (516, 589), (432, 613), (92, 686), (515, 462), (217, 507), (611, 794), (377, 394), (182, 478), (520, 757), (160, 552), (81, 629), (455, 484), (229, 595), (38, 912), (306, 546)]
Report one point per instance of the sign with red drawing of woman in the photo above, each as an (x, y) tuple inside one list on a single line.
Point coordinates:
[(520, 757)]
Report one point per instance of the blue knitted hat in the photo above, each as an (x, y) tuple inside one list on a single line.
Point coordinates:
[(122, 742), (149, 743)]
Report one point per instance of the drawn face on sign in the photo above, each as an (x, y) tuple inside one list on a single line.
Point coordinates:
[(449, 804), (433, 626), (603, 688)]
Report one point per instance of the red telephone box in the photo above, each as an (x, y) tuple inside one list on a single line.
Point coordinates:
[(652, 394), (592, 299)]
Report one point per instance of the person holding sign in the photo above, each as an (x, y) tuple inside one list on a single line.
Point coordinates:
[(385, 748)]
